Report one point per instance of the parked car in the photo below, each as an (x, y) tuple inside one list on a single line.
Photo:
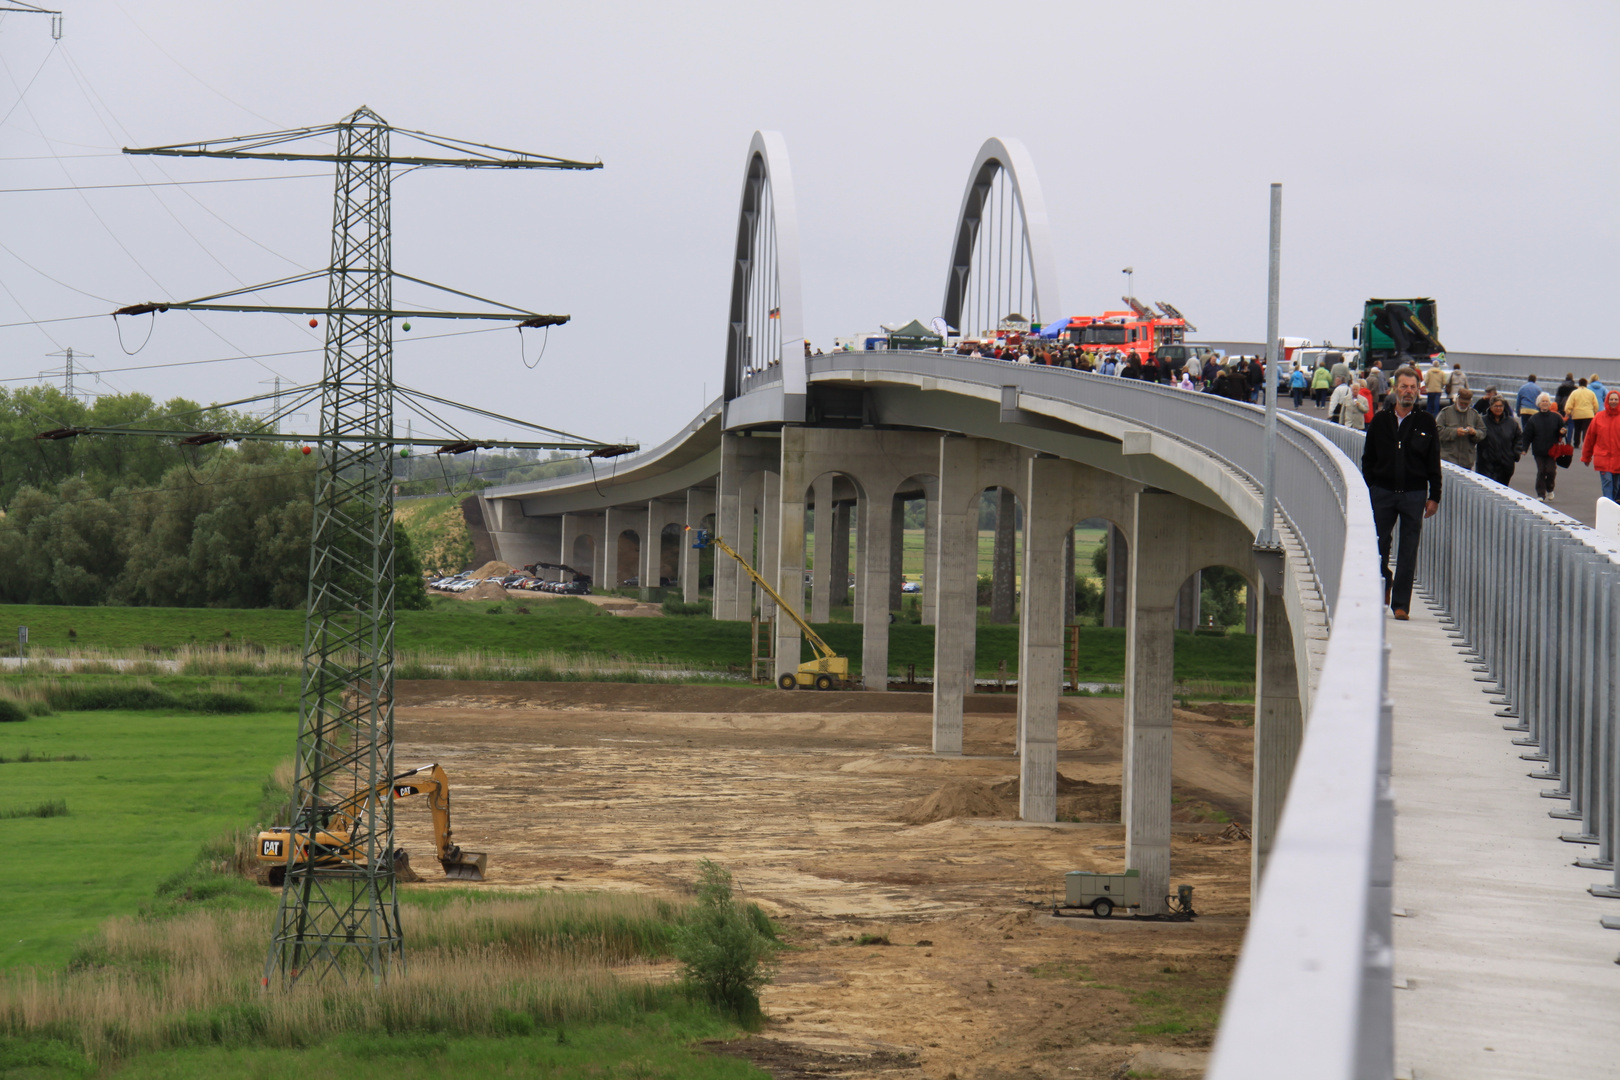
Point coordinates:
[(910, 586)]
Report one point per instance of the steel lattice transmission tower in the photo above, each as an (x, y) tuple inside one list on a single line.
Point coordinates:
[(342, 918)]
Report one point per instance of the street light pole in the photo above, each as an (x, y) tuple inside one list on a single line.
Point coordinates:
[(1265, 540)]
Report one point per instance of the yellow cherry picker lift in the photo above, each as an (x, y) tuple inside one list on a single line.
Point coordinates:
[(828, 671)]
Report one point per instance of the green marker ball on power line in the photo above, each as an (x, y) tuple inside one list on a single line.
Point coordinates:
[(404, 451), (405, 327)]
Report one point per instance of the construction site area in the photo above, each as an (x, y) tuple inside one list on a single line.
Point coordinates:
[(917, 909)]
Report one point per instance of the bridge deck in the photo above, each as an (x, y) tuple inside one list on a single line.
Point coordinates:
[(1508, 972)]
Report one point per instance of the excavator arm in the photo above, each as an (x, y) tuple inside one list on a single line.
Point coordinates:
[(333, 840)]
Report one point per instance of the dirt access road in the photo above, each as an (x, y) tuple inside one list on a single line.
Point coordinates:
[(833, 815)]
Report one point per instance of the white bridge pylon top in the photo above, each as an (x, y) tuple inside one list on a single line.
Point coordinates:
[(765, 339), (1002, 264), (1002, 260)]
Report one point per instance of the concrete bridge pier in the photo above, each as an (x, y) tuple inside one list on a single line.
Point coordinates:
[(1171, 539), (821, 588), (878, 463), (930, 616), (619, 521), (1058, 493), (518, 538), (699, 505), (838, 591), (660, 512), (741, 458), (769, 524), (585, 526), (967, 467)]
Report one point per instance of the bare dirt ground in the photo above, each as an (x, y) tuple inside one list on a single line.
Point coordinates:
[(809, 799)]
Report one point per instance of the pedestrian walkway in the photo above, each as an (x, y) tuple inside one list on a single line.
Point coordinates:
[(1501, 967)]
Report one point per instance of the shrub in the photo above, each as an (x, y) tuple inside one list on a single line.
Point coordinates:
[(11, 712), (723, 952), (673, 606), (49, 808)]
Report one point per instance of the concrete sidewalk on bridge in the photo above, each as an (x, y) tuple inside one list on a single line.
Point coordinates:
[(1501, 967)]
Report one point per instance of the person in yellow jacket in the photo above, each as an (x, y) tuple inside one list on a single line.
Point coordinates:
[(1434, 384), (1579, 408), (1321, 384)]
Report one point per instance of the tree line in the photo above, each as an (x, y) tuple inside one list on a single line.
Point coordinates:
[(143, 521)]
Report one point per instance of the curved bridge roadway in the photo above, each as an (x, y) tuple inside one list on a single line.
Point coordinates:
[(1313, 994)]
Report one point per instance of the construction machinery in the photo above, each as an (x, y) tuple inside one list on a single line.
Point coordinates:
[(335, 830), (828, 671), (1403, 331)]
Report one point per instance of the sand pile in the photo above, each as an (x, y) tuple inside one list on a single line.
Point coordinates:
[(1077, 800), (496, 569), (957, 798), (485, 590)]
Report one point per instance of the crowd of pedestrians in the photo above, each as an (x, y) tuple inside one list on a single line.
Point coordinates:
[(1491, 437)]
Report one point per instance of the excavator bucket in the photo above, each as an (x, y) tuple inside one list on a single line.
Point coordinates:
[(402, 867), (465, 865)]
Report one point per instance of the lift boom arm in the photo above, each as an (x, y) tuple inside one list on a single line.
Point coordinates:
[(823, 650)]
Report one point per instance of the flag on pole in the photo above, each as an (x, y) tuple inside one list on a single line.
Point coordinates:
[(776, 312)]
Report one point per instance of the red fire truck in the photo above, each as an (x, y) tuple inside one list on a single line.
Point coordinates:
[(1140, 330)]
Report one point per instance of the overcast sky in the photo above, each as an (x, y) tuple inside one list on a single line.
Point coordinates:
[(1466, 151)]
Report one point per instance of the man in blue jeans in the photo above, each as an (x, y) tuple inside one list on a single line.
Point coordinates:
[(1401, 463)]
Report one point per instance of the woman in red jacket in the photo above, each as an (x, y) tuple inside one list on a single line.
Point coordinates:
[(1602, 446)]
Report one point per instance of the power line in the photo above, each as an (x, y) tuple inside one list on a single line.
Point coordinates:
[(160, 183)]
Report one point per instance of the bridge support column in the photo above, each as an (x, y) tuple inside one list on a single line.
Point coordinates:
[(826, 518), (838, 596), (770, 498), (1068, 577), (617, 522), (1188, 602), (952, 588), (728, 524), (1003, 564), (1278, 727), (876, 523), (1116, 582), (966, 467), (930, 616), (897, 552), (800, 460), (1047, 513), (659, 514), (575, 526), (699, 505), (1158, 567), (1171, 538), (1057, 494)]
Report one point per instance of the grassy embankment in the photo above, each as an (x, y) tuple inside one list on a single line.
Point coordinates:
[(137, 953), (557, 638)]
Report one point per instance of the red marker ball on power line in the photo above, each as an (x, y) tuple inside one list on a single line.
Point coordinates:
[(306, 449), (314, 322)]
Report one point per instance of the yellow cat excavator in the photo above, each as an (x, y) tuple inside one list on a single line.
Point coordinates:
[(334, 829)]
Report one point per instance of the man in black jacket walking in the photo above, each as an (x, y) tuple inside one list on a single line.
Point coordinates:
[(1401, 463)]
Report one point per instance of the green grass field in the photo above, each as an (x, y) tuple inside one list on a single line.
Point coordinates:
[(575, 627), (154, 788), (657, 1045)]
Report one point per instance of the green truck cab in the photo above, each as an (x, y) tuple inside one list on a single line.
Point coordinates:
[(1394, 329)]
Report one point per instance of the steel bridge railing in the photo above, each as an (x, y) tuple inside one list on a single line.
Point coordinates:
[(1532, 594), (1313, 991)]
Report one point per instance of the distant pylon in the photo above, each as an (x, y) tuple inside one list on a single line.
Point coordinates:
[(66, 370)]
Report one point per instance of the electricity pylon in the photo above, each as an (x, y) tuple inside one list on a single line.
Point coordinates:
[(66, 370), (341, 917)]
